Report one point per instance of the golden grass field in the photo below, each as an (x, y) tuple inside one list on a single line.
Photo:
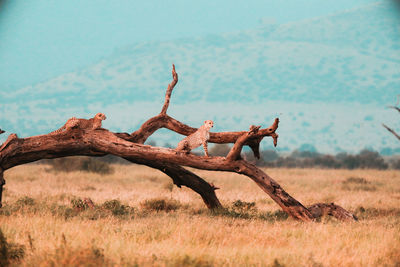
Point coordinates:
[(42, 211)]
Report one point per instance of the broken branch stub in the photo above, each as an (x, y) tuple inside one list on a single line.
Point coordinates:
[(98, 142)]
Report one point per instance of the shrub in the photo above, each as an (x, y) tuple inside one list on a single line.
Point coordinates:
[(355, 180), (244, 207), (9, 251), (160, 204), (88, 164), (238, 209), (395, 164), (357, 184), (79, 204), (187, 260), (117, 208), (305, 159), (25, 201), (65, 255)]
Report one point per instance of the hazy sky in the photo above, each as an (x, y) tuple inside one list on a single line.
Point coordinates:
[(40, 39)]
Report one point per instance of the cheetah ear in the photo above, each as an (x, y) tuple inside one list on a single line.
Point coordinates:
[(205, 121)]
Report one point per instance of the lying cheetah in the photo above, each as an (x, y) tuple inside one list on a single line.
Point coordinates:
[(200, 137), (93, 123)]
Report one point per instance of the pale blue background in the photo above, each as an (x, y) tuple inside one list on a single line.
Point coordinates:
[(328, 69)]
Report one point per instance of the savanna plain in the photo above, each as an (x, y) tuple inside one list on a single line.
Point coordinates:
[(137, 217)]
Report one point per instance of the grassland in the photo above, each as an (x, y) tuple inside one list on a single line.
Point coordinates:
[(140, 219)]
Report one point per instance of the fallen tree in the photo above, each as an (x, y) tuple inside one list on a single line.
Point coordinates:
[(99, 142)]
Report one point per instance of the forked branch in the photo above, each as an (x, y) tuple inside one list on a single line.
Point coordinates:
[(234, 153)]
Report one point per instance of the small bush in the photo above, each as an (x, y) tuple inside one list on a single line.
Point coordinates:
[(160, 204), (9, 251), (88, 164), (365, 159), (395, 164), (79, 204), (244, 207), (64, 211), (68, 256), (355, 180), (238, 209), (278, 215), (117, 208), (357, 184), (226, 212), (370, 213), (187, 260), (25, 201), (23, 204)]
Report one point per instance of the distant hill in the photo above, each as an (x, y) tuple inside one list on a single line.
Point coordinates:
[(350, 59)]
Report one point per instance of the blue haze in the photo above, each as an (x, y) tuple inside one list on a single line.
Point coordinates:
[(327, 70)]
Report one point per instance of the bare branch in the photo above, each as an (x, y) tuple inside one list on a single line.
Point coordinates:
[(165, 121), (162, 120), (392, 131), (169, 90), (9, 139), (234, 154), (396, 108)]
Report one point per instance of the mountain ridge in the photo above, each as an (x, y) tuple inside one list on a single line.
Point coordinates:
[(308, 62)]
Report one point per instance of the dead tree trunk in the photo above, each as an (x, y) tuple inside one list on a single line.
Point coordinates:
[(82, 141)]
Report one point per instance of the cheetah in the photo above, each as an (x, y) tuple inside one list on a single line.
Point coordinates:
[(200, 137), (93, 123)]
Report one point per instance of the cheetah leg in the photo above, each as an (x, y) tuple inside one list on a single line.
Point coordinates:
[(205, 148)]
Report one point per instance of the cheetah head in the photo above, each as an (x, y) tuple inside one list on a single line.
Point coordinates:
[(209, 124), (100, 116)]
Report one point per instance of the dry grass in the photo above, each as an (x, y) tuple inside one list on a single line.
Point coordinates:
[(140, 220)]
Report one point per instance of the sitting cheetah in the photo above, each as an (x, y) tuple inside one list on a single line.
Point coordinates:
[(93, 123), (200, 137)]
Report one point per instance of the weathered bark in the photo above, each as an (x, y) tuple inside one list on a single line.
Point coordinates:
[(165, 121), (322, 209), (182, 176), (2, 183), (101, 141), (234, 153), (89, 142)]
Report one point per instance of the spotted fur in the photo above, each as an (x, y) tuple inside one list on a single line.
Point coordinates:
[(93, 123), (196, 139)]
